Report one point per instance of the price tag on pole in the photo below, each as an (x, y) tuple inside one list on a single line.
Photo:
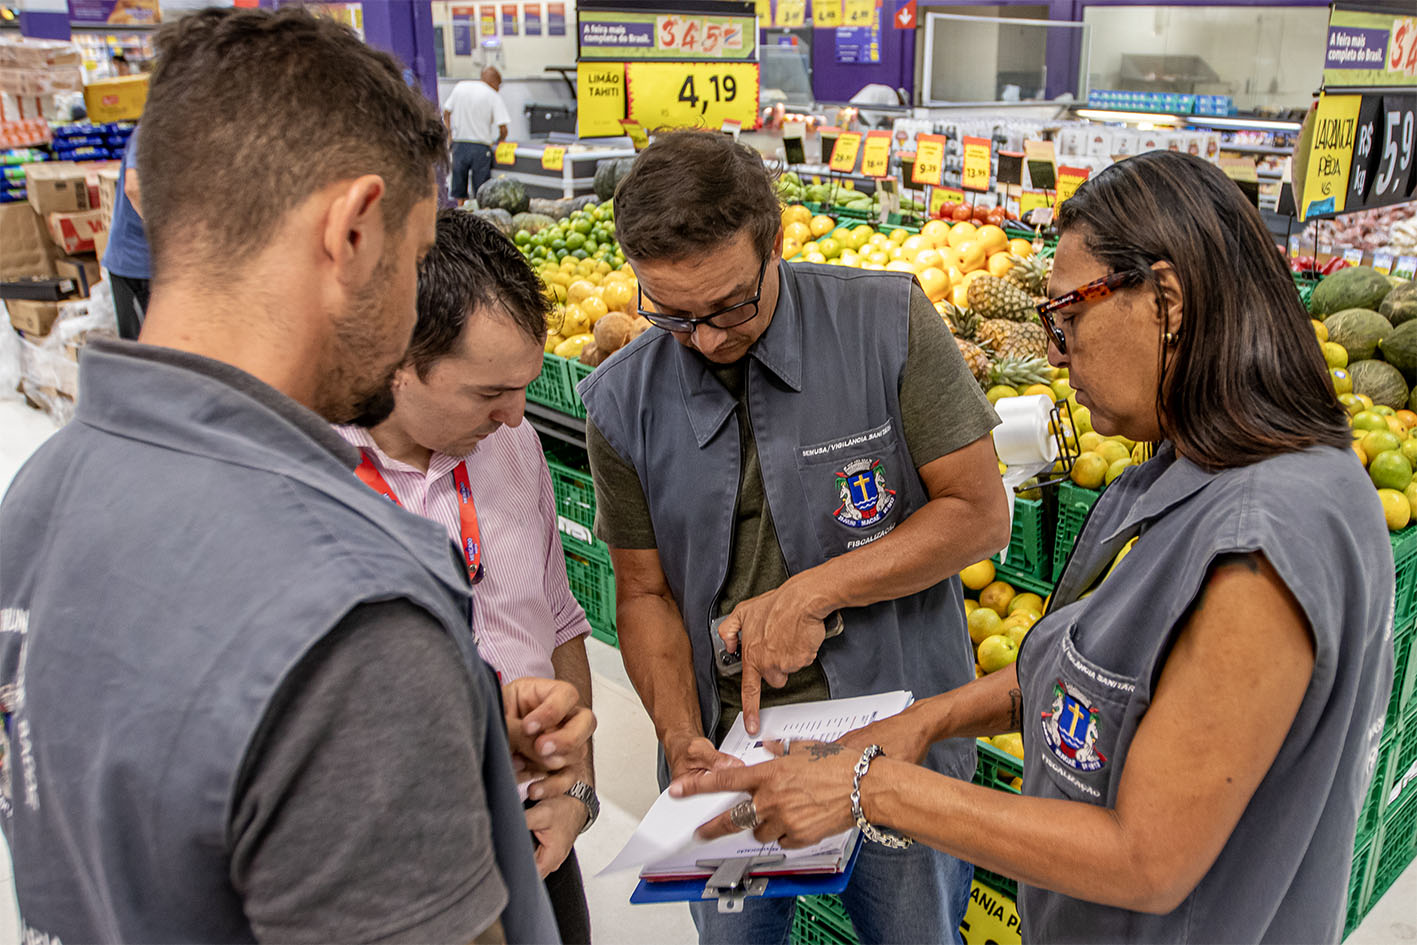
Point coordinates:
[(791, 14), (553, 158), (860, 12), (876, 154), (1032, 200), (826, 13), (636, 132), (1069, 180), (1353, 256), (976, 163), (843, 156), (692, 94), (939, 196), (929, 160), (506, 152)]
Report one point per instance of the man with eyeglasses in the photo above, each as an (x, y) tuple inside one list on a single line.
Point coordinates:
[(799, 464)]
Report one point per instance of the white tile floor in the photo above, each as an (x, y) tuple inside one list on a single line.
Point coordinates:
[(625, 759)]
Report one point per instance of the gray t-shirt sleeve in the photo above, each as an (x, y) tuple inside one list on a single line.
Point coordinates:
[(360, 815), (941, 405), (622, 517)]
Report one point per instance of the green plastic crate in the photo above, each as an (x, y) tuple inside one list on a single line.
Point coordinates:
[(575, 373), (1404, 555), (1396, 845), (1360, 885), (575, 495), (592, 581), (822, 920), (1074, 505), (1404, 675), (997, 769), (1370, 815), (1030, 552), (552, 386)]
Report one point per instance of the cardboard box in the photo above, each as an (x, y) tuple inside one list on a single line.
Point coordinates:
[(26, 249), (100, 244), (59, 187), (75, 232), (120, 99), (32, 318), (108, 191), (83, 270)]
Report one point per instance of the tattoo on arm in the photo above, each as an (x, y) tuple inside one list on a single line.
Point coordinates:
[(1015, 710), (818, 751)]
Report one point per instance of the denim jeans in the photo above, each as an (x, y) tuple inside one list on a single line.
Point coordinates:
[(913, 895), (472, 166)]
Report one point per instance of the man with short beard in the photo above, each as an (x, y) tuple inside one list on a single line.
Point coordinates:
[(241, 697)]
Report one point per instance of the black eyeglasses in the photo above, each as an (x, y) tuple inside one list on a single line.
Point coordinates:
[(730, 317), (1097, 289)]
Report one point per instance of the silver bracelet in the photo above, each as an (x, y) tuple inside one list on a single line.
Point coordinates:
[(886, 838)]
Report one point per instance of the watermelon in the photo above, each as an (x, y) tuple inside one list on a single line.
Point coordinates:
[(1400, 305), (608, 175), (1355, 287), (1358, 330), (503, 193), (1380, 381), (1400, 349)]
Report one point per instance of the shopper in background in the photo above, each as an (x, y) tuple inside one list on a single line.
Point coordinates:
[(1199, 717), (457, 421), (242, 696), (799, 441), (478, 119), (127, 258)]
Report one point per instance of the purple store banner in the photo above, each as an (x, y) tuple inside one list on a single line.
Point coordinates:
[(143, 12), (632, 35), (1351, 47)]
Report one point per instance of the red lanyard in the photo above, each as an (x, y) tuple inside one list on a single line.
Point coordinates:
[(369, 474)]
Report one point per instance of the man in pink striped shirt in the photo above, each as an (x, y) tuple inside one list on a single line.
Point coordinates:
[(457, 412)]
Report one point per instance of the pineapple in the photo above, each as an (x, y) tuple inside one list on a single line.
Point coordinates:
[(1019, 373), (963, 323), (1030, 274), (974, 356), (993, 297), (1013, 339)]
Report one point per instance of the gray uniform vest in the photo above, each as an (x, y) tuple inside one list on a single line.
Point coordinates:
[(168, 558), (823, 402), (1088, 669)]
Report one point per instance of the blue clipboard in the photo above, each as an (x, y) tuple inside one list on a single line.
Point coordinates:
[(778, 887)]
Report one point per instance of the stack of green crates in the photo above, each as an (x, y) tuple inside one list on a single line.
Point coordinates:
[(822, 920), (1029, 559), (588, 568)]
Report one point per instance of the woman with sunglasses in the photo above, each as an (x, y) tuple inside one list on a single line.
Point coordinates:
[(1198, 716)]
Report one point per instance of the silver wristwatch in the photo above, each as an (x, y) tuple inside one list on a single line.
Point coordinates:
[(586, 795)]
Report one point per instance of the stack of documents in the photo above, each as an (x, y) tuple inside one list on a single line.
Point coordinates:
[(664, 848)]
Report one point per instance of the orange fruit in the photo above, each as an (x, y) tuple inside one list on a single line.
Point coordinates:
[(935, 283), (936, 232), (797, 231), (900, 265), (796, 214), (1021, 248), (618, 295), (928, 259), (821, 225), (998, 264), (960, 295), (973, 256), (1408, 418), (914, 244), (993, 238), (579, 290), (960, 234)]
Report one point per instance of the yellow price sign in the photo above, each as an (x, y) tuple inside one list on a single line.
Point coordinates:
[(506, 152), (843, 156), (876, 154), (1329, 133), (826, 13), (992, 917), (600, 99), (553, 158), (860, 12), (929, 160), (791, 14), (1069, 180), (976, 163), (939, 196), (692, 94), (636, 133), (1032, 200)]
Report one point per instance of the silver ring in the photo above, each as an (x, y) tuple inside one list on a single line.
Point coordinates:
[(744, 815)]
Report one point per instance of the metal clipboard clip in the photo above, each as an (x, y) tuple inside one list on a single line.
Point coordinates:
[(730, 883)]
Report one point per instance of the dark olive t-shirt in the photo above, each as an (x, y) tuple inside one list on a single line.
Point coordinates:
[(941, 412)]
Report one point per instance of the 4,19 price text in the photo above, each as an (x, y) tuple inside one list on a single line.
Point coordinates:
[(725, 89)]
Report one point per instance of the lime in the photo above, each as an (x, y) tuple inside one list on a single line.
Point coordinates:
[(1397, 510), (1382, 410), (1342, 382), (1366, 419), (1381, 441), (1335, 354), (583, 225), (522, 238), (1390, 470), (1409, 449)]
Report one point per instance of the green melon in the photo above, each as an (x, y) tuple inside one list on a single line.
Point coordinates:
[(531, 222), (499, 218), (1400, 349), (1400, 305), (1380, 381), (608, 175), (503, 193), (1355, 287), (1358, 330)]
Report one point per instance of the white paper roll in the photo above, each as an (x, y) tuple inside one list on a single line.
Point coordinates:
[(1023, 438)]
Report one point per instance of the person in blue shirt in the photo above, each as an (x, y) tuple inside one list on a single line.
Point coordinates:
[(126, 258)]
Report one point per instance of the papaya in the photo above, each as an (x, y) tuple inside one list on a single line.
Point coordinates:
[(1355, 287), (1380, 381), (1400, 305), (1358, 330), (1400, 349)]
